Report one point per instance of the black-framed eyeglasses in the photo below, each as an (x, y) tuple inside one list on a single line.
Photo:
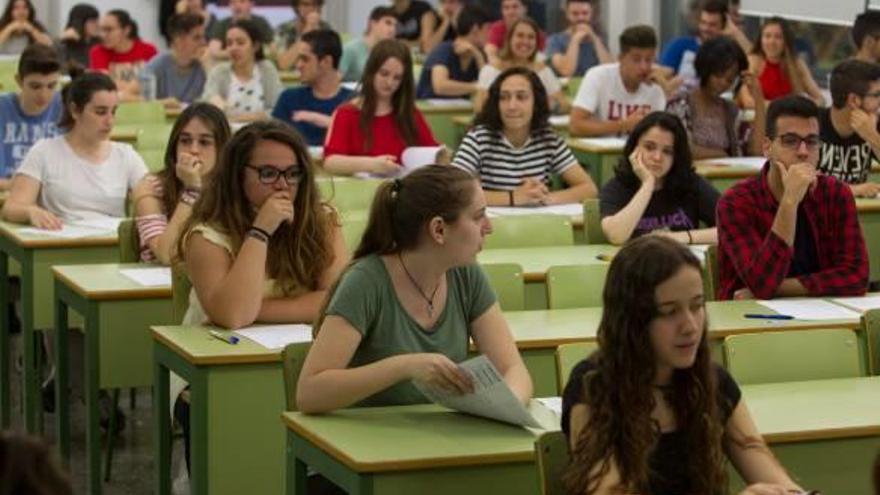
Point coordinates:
[(793, 141), (269, 174)]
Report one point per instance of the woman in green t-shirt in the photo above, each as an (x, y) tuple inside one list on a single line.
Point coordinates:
[(408, 304)]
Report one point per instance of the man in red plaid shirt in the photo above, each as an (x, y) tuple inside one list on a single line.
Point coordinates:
[(790, 231)]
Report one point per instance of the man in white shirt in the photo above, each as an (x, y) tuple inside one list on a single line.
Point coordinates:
[(613, 98)]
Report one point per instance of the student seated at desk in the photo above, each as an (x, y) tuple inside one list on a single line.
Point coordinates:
[(408, 305), (848, 130), (370, 133), (165, 202), (790, 231), (452, 68), (19, 28), (650, 412), (613, 98), (713, 122), (247, 86), (655, 188), (80, 174), (513, 150), (521, 50)]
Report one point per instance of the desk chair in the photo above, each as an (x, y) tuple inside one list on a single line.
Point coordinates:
[(507, 281), (574, 83), (593, 233), (140, 113), (576, 286), (793, 355), (352, 231), (551, 453), (153, 136), (530, 231), (180, 289), (129, 242), (711, 280), (347, 194), (292, 359), (568, 356), (153, 158), (871, 326)]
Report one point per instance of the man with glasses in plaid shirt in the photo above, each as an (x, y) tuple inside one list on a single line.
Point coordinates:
[(790, 231)]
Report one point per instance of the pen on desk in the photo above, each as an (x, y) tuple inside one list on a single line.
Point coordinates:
[(604, 257), (225, 337), (768, 317)]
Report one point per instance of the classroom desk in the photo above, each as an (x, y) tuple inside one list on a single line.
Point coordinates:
[(825, 432), (439, 117), (538, 333), (869, 218), (117, 313), (536, 260), (238, 448), (601, 158), (289, 78), (722, 176), (125, 134), (423, 449), (35, 254), (464, 122)]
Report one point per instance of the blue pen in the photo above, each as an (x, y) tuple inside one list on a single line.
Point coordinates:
[(769, 317), (228, 338)]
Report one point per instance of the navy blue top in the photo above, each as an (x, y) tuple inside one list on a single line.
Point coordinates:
[(302, 98), (444, 55)]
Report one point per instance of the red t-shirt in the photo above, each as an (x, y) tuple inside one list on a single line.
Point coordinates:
[(345, 137), (123, 66), (774, 83), (498, 31)]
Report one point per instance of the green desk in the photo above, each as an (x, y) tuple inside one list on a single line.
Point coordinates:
[(439, 117), (36, 254), (424, 449), (239, 446), (539, 333), (600, 157), (535, 262), (869, 218), (722, 176), (117, 313), (825, 432)]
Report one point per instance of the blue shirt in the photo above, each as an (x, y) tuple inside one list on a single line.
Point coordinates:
[(443, 54), (679, 55), (558, 44), (18, 131), (302, 98)]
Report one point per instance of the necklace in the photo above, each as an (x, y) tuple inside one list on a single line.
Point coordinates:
[(429, 300)]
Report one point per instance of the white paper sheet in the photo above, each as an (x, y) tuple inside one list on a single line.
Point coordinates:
[(552, 403), (416, 157), (316, 152), (350, 85), (753, 162), (107, 224), (67, 232), (448, 103), (605, 143), (810, 309), (492, 398), (861, 304), (560, 120), (159, 276), (277, 336), (571, 210)]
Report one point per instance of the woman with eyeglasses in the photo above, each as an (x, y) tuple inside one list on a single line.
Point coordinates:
[(712, 122)]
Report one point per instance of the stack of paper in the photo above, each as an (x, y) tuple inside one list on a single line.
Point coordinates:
[(560, 120), (753, 162), (570, 209), (861, 304), (159, 276), (277, 336), (457, 103), (67, 232), (604, 143), (108, 224), (810, 309)]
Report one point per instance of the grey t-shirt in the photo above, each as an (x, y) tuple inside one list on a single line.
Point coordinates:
[(171, 81), (366, 299)]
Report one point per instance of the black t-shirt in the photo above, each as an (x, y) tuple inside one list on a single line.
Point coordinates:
[(805, 259), (666, 209), (847, 159), (669, 460), (409, 23)]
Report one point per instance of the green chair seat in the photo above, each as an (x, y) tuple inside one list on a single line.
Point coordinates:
[(348, 194), (292, 359), (568, 356), (530, 231), (552, 456), (140, 113), (576, 286), (507, 281)]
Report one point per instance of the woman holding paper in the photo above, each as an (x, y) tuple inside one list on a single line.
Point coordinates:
[(655, 189), (164, 202), (407, 306), (80, 174), (514, 151), (650, 412), (370, 133)]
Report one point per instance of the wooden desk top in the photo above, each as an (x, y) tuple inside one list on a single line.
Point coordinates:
[(198, 347), (602, 145), (868, 205), (383, 439), (104, 282), (815, 410), (33, 241), (124, 134)]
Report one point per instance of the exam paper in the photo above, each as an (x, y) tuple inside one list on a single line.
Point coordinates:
[(810, 309), (277, 336), (570, 209), (754, 162), (159, 276), (109, 224), (492, 398), (560, 120), (607, 143), (552, 403), (67, 231), (416, 157), (861, 304), (461, 103)]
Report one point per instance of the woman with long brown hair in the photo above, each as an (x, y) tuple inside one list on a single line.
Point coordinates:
[(650, 412), (370, 133), (411, 301)]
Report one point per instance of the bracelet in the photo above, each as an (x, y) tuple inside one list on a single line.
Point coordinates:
[(690, 237), (190, 196), (510, 198), (258, 234), (265, 233)]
